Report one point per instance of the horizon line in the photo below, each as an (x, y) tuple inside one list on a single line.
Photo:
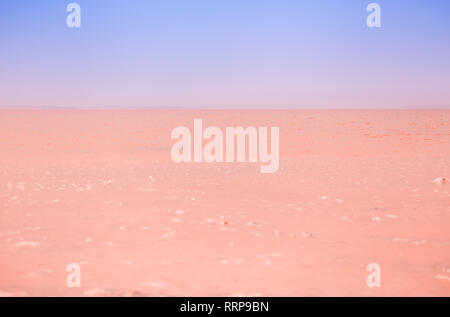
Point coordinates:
[(217, 108)]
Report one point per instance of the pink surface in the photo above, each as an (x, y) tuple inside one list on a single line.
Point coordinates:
[(99, 188)]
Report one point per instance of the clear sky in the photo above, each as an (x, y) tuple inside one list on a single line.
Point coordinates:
[(225, 53)]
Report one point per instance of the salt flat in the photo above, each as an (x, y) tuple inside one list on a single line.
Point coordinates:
[(99, 188)]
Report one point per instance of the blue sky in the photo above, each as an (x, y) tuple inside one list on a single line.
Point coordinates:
[(225, 54)]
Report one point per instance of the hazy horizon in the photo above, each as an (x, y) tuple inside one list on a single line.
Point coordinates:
[(219, 108)]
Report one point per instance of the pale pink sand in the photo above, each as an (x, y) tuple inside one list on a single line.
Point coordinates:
[(98, 188)]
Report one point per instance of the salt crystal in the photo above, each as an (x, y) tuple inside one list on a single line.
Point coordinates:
[(26, 244), (440, 180), (306, 234), (179, 212)]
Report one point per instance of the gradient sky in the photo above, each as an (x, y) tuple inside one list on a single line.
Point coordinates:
[(225, 53)]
